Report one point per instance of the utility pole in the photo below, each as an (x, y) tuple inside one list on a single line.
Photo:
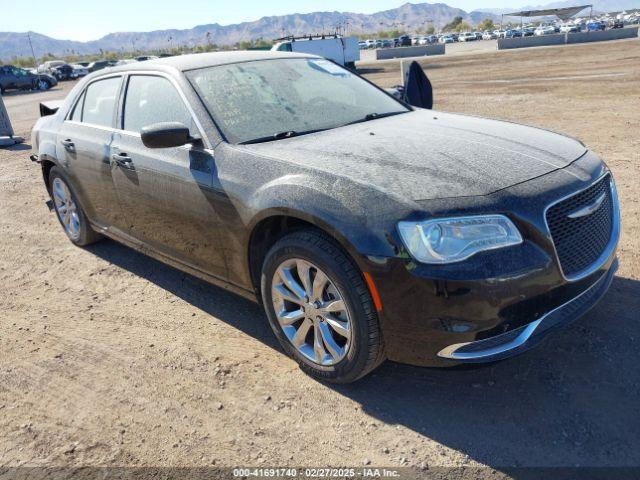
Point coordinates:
[(33, 53)]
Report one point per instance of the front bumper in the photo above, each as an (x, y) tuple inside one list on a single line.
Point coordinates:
[(497, 303), (521, 339)]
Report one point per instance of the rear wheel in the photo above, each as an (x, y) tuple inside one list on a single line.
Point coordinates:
[(69, 212), (320, 308), (43, 84)]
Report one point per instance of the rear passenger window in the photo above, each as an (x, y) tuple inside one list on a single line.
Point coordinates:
[(152, 100), (100, 102)]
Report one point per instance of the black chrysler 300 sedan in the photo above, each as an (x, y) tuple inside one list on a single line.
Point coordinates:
[(368, 229)]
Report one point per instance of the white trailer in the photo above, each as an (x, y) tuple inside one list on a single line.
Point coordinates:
[(342, 50)]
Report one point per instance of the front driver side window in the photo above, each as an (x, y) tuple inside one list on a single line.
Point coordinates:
[(152, 99)]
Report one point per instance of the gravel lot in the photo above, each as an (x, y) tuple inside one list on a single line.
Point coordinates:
[(110, 358)]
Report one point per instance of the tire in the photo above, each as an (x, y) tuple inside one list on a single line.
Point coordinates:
[(75, 226), (362, 350), (43, 85)]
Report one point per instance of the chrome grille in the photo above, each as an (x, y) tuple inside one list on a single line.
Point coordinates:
[(580, 241)]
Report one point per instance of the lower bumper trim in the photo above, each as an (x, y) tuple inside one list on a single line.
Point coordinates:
[(515, 341)]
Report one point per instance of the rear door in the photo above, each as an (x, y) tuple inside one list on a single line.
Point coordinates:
[(167, 192), (8, 77), (83, 147), (4, 77), (20, 78)]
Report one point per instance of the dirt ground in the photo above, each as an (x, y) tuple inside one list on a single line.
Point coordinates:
[(110, 358)]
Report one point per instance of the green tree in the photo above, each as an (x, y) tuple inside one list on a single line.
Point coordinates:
[(452, 25), (486, 24), (463, 27), (430, 30)]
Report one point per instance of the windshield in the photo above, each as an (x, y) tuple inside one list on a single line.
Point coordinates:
[(268, 98)]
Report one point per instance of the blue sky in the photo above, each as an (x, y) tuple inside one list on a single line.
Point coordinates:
[(90, 20)]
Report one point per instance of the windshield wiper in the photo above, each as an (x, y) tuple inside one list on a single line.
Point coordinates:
[(373, 116), (295, 133), (281, 135)]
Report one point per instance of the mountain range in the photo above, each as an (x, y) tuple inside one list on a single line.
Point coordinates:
[(408, 17)]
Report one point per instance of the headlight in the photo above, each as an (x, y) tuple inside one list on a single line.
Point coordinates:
[(448, 240)]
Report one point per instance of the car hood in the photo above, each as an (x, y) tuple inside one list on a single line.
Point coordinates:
[(426, 154)]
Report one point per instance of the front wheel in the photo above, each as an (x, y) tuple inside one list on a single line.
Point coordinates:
[(69, 212), (320, 308)]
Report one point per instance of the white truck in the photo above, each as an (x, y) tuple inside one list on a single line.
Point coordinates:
[(342, 50)]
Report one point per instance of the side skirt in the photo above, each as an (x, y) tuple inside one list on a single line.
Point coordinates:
[(138, 246)]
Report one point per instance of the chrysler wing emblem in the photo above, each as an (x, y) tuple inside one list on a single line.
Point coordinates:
[(589, 209)]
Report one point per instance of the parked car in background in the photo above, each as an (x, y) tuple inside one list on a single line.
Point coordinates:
[(512, 33), (596, 26), (367, 229), (48, 66), (616, 24), (15, 78), (80, 70), (569, 28), (478, 35), (544, 30), (499, 33), (447, 39), (405, 41), (144, 58), (362, 45), (528, 31), (124, 61), (467, 37), (99, 65), (64, 72), (487, 35)]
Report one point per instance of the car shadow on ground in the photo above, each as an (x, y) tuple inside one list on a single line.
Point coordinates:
[(18, 147), (240, 313), (573, 400)]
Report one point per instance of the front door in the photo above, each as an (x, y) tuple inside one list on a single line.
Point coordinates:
[(166, 193)]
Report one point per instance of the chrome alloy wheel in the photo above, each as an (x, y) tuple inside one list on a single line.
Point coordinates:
[(311, 311), (66, 208), (43, 85)]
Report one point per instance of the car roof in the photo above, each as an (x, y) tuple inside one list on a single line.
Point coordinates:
[(203, 60)]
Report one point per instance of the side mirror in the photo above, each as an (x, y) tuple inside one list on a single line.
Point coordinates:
[(165, 135)]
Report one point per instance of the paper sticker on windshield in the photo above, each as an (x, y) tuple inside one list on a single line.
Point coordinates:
[(328, 67)]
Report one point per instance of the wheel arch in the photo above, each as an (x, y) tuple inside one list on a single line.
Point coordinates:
[(47, 162), (270, 225)]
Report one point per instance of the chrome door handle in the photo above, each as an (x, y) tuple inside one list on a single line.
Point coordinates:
[(68, 144), (123, 160)]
